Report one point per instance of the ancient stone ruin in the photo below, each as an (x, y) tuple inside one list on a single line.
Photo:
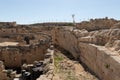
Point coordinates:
[(90, 50)]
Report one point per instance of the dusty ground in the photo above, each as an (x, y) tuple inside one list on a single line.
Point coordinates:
[(67, 69)]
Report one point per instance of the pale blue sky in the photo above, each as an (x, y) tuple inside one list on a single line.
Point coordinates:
[(34, 11)]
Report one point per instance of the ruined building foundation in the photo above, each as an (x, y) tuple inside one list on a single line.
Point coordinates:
[(29, 49)]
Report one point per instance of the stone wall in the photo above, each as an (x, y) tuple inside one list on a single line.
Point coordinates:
[(99, 59), (7, 24), (15, 56), (66, 40), (48, 69)]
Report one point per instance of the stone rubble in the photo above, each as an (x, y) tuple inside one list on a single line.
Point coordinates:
[(48, 70)]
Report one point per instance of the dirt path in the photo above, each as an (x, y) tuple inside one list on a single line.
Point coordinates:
[(67, 69)]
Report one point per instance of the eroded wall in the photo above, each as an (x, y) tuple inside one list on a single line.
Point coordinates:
[(66, 40), (102, 61), (15, 56)]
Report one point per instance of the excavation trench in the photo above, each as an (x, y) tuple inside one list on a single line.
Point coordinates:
[(69, 68), (56, 61)]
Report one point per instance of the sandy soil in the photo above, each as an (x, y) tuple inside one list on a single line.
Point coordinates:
[(67, 69)]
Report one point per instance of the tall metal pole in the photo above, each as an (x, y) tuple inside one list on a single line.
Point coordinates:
[(73, 17)]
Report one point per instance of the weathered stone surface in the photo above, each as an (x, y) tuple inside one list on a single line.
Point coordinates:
[(96, 43), (56, 77), (48, 69), (63, 37), (97, 24), (22, 54), (97, 49), (3, 75)]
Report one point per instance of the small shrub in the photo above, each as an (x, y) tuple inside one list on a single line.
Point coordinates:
[(107, 65)]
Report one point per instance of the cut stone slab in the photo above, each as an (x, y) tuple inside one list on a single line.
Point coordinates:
[(9, 44)]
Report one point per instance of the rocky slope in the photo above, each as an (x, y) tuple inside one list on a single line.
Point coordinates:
[(98, 49)]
